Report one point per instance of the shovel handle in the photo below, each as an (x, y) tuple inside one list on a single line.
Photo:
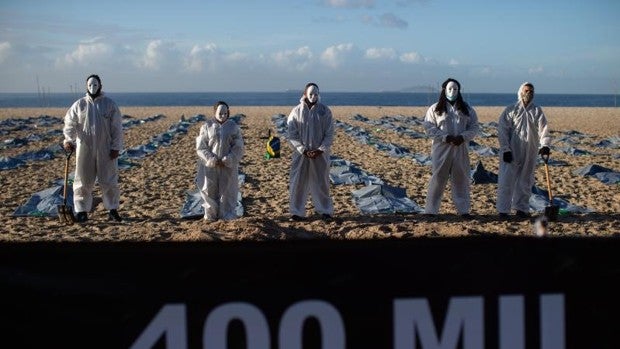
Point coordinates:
[(64, 189), (545, 158)]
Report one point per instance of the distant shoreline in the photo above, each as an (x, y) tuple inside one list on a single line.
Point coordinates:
[(384, 99)]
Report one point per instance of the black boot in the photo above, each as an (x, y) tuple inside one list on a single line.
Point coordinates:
[(81, 217), (114, 216), (522, 214)]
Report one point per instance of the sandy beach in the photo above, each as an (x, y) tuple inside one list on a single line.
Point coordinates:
[(153, 193)]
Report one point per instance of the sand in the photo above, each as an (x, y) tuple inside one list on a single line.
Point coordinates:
[(153, 193)]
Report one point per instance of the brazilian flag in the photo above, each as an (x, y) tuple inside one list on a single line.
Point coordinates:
[(273, 147)]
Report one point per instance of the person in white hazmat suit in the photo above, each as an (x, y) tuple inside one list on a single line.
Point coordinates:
[(94, 130), (310, 134), (523, 135), (220, 148), (451, 123)]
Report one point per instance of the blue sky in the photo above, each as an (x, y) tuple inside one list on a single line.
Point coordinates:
[(343, 45)]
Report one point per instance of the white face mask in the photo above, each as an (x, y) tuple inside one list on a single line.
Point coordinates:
[(221, 113), (92, 86), (312, 94), (527, 94), (452, 91)]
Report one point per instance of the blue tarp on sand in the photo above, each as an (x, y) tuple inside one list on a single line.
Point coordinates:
[(591, 170), (343, 172), (7, 163), (45, 203), (611, 142), (376, 198), (193, 209), (603, 174), (540, 199), (17, 124), (479, 175), (608, 177), (573, 151)]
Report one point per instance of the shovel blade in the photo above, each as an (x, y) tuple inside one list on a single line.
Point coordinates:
[(65, 214), (551, 212)]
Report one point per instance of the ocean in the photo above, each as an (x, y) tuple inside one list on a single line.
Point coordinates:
[(134, 99)]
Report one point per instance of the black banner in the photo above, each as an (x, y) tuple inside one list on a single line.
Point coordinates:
[(481, 292)]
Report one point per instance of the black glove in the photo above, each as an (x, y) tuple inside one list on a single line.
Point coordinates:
[(69, 148), (507, 157), (449, 139), (458, 140), (114, 154), (544, 151)]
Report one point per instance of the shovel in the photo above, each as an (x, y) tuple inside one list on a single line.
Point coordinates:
[(65, 213), (551, 211)]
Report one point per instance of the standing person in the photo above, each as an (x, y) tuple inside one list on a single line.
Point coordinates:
[(523, 135), (220, 148), (311, 134), (451, 123), (93, 128)]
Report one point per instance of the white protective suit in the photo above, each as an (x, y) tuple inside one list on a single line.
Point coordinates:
[(522, 130), (219, 185), (310, 129), (450, 161), (94, 127)]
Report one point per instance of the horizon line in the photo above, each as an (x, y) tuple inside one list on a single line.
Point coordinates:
[(298, 91)]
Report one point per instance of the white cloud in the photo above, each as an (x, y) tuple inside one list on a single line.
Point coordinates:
[(199, 56), (453, 62), (411, 57), (87, 53), (5, 51), (195, 61), (350, 3), (159, 54), (535, 70), (380, 53), (298, 59), (334, 56), (210, 57)]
